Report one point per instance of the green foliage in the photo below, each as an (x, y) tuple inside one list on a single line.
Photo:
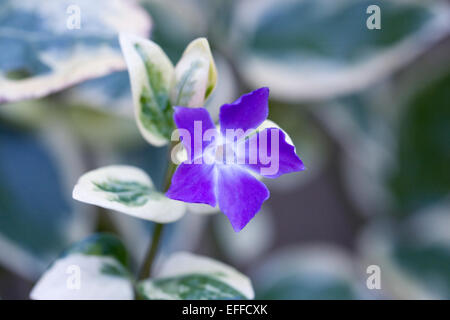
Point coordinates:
[(156, 110), (130, 193), (339, 33), (427, 263), (185, 87), (421, 175), (100, 244), (39, 54), (309, 288), (188, 287)]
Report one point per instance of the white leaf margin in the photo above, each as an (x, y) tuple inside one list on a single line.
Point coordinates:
[(80, 66), (318, 83), (93, 284), (161, 210), (376, 246), (29, 265), (139, 78), (183, 263), (197, 51)]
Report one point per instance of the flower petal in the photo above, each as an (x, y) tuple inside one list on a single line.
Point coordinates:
[(193, 183), (248, 112), (240, 195), (196, 121), (269, 154)]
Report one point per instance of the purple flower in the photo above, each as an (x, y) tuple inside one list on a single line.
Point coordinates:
[(222, 164)]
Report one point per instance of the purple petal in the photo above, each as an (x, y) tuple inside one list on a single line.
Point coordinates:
[(194, 122), (248, 112), (240, 195), (193, 183), (268, 154)]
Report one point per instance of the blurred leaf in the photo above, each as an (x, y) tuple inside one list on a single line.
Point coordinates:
[(414, 255), (92, 269), (362, 126), (100, 244), (40, 54), (37, 216), (421, 175), (314, 49), (430, 263), (117, 133), (128, 190), (176, 23), (309, 288), (422, 251), (111, 93), (187, 276), (314, 272), (309, 140), (251, 242), (151, 159)]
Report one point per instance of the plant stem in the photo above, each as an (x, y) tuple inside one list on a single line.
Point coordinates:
[(157, 231), (169, 173), (151, 253)]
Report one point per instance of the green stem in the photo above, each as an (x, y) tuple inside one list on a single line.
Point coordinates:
[(169, 173), (157, 231), (151, 253)]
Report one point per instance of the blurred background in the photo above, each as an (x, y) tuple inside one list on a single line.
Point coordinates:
[(368, 111)]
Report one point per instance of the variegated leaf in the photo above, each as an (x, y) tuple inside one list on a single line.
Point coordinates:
[(185, 276), (320, 49), (93, 269), (38, 218), (151, 76), (415, 256), (195, 75), (128, 190), (309, 272), (46, 47)]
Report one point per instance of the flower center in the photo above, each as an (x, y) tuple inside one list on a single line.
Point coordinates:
[(221, 154)]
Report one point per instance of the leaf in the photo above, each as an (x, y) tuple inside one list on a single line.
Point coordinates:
[(421, 174), (157, 86), (195, 75), (414, 256), (186, 276), (40, 55), (100, 244), (128, 190), (310, 49), (151, 76), (251, 242), (37, 216), (428, 264), (176, 23), (92, 269), (111, 93), (314, 272)]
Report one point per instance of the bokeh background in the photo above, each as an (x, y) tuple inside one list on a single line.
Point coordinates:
[(368, 110)]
